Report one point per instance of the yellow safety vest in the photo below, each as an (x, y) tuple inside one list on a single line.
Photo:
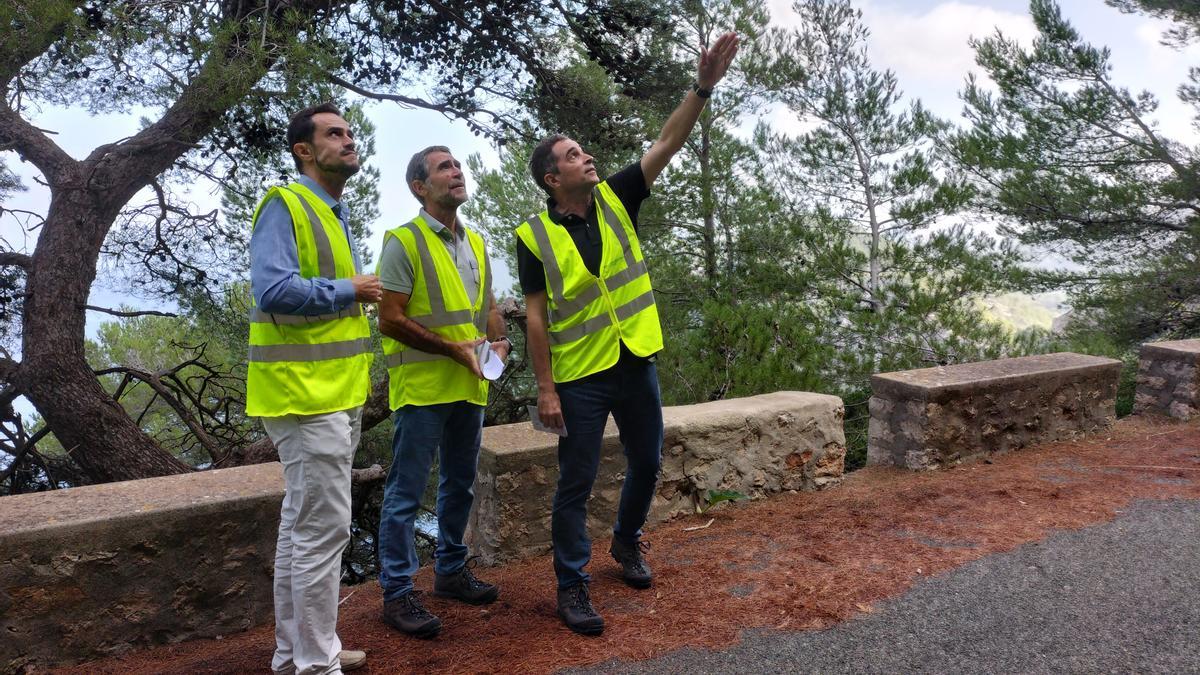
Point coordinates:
[(308, 365), (439, 302), (590, 316)]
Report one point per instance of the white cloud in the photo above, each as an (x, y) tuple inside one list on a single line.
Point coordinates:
[(933, 47), (930, 45), (927, 48)]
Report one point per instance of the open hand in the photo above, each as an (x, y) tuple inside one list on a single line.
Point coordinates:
[(714, 61)]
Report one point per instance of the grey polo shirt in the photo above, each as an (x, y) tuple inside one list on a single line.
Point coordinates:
[(396, 269)]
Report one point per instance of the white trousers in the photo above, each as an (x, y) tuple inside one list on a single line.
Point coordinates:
[(314, 527)]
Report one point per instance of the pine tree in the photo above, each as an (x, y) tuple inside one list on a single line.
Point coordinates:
[(1077, 163), (865, 177)]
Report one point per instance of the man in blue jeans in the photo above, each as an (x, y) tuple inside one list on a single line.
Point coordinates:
[(437, 305), (593, 333)]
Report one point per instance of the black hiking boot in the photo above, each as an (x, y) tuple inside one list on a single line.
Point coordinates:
[(407, 615), (634, 569), (464, 586), (575, 608)]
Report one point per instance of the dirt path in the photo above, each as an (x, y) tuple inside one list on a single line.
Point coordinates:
[(794, 562)]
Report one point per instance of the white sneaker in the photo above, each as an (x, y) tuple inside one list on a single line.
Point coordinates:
[(352, 659)]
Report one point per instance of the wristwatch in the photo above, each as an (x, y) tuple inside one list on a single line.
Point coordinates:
[(701, 92)]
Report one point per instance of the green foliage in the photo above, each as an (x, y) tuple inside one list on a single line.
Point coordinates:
[(176, 376), (1076, 163), (715, 497), (892, 291)]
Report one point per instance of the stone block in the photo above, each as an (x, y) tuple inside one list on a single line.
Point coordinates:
[(758, 446), (1168, 379), (947, 414), (99, 570)]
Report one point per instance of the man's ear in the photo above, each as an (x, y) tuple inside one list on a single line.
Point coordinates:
[(419, 187), (551, 180), (303, 150)]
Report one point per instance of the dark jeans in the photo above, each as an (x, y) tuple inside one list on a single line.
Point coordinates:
[(421, 430), (629, 390)]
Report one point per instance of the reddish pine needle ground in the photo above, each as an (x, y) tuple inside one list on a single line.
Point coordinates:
[(793, 562)]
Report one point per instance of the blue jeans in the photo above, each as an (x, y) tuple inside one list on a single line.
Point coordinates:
[(629, 390), (454, 429)]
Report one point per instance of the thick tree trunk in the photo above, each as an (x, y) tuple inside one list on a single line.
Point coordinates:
[(100, 437)]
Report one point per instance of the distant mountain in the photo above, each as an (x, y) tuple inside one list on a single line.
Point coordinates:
[(1021, 311)]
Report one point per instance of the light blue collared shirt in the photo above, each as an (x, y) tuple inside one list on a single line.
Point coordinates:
[(275, 277)]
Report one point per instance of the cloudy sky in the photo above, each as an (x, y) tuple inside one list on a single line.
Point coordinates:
[(923, 41)]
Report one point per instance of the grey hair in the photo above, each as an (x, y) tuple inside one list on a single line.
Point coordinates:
[(418, 167)]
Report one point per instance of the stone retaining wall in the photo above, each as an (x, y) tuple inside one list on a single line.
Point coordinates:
[(935, 417), (1167, 379), (757, 445), (98, 570)]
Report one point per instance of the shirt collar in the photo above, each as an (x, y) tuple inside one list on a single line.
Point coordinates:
[(555, 215), (440, 229), (338, 208)]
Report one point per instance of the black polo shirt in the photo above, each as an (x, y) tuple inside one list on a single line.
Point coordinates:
[(629, 184)]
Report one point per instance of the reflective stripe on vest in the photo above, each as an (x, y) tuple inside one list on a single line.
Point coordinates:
[(326, 266), (599, 321), (318, 352), (259, 316)]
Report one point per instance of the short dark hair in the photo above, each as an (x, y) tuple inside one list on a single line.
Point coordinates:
[(542, 161), (301, 127), (418, 168)]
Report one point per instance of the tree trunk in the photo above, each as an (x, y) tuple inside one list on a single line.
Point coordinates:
[(55, 376), (708, 205)]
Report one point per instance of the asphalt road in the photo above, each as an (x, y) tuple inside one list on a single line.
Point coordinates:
[(1123, 597)]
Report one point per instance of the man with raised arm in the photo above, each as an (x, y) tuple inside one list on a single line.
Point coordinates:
[(307, 378), (437, 306), (593, 333)]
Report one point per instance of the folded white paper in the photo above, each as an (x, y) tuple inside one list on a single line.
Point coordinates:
[(537, 423), (489, 361)]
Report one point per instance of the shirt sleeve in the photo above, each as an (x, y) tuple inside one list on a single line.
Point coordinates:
[(530, 271), (629, 184), (396, 271), (275, 277)]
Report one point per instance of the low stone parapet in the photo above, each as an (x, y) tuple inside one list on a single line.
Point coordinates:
[(757, 446), (935, 417), (98, 570), (101, 569), (1167, 379)]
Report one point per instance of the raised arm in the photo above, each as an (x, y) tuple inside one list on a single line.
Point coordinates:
[(711, 68)]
